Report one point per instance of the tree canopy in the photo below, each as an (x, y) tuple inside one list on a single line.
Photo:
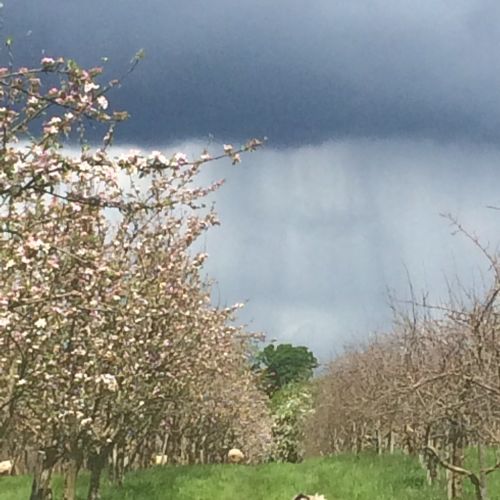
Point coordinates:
[(284, 364), (109, 343)]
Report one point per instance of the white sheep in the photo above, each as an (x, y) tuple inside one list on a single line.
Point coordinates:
[(6, 467), (301, 496), (235, 456), (160, 459)]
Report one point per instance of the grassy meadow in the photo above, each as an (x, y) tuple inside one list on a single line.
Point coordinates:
[(346, 477)]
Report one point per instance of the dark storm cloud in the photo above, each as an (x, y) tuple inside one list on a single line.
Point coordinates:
[(295, 71)]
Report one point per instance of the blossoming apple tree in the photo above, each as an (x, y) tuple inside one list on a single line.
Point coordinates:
[(105, 320)]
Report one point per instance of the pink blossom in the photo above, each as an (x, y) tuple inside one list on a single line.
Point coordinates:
[(103, 102), (89, 86), (158, 156), (47, 61), (181, 158)]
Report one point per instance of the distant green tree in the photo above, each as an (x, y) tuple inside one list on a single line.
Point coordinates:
[(284, 364)]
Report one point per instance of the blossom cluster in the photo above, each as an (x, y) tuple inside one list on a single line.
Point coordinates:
[(106, 325)]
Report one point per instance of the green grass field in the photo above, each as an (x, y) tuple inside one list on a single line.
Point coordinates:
[(366, 477)]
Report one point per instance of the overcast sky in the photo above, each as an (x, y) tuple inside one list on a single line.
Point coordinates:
[(380, 114)]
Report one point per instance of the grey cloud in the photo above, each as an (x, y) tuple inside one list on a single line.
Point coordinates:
[(315, 236), (296, 71)]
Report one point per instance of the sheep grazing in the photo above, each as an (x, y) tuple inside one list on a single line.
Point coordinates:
[(160, 459), (301, 496), (6, 467), (235, 456)]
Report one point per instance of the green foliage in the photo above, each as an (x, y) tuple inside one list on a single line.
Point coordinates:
[(290, 407), (285, 371), (284, 364), (365, 477)]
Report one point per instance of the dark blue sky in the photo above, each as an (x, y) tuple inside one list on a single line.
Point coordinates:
[(298, 72)]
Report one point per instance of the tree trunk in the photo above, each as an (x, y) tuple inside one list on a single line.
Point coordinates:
[(41, 488), (391, 441), (409, 444), (203, 449), (378, 439), (71, 474), (479, 483), (165, 443), (95, 483), (482, 485), (96, 463), (118, 465), (431, 466), (354, 438), (183, 451), (481, 490), (431, 463), (456, 458)]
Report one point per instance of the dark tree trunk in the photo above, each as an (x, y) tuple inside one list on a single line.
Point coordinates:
[(96, 464), (41, 488)]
